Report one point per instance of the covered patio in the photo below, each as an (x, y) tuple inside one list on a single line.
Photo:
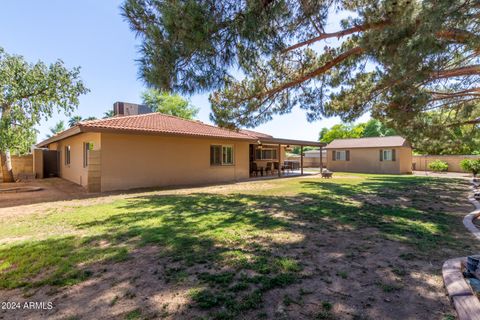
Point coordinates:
[(267, 157)]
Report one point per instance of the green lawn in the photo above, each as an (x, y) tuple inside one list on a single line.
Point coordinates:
[(247, 241)]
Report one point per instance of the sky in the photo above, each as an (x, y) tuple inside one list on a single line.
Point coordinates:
[(92, 34)]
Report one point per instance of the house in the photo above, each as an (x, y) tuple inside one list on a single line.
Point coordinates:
[(311, 158), (156, 150), (370, 155)]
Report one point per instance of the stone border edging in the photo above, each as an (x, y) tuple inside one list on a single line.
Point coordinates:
[(468, 220), (463, 298)]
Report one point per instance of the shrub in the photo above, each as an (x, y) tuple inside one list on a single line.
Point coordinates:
[(471, 165), (438, 165)]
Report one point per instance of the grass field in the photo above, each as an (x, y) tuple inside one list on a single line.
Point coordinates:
[(357, 246)]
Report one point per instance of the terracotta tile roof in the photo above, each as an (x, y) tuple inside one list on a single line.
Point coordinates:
[(161, 123), (373, 142), (255, 134)]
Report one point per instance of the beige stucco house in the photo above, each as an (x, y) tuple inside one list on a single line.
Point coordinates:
[(370, 155), (154, 149)]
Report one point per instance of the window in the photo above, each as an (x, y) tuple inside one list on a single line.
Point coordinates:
[(86, 152), (221, 155), (215, 158), (266, 154), (67, 155), (387, 155), (341, 155), (227, 155)]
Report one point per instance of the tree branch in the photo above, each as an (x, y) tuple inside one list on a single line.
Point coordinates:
[(337, 34), (473, 121), (457, 35), (445, 95), (327, 66), (457, 72)]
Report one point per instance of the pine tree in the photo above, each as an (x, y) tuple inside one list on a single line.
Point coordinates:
[(398, 59)]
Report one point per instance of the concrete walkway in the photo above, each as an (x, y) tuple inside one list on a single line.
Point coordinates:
[(463, 298)]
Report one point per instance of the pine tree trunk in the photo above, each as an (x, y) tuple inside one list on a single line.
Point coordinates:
[(6, 164)]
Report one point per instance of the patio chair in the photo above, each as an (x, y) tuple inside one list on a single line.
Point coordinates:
[(254, 169), (327, 173), (276, 167), (268, 168), (287, 166)]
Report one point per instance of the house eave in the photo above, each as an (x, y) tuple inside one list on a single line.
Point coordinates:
[(370, 147), (156, 133), (291, 142), (62, 135)]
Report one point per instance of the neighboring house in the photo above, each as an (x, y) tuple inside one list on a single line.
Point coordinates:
[(152, 150), (311, 158), (370, 155)]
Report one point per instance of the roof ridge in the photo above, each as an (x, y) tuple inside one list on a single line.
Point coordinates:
[(253, 132), (116, 117), (161, 114), (165, 115)]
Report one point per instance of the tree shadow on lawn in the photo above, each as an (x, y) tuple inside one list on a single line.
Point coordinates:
[(408, 209), (231, 250)]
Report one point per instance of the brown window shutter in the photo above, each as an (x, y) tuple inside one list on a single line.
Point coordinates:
[(394, 158), (333, 155), (347, 155), (381, 155)]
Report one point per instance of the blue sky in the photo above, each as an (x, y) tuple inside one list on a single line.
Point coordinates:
[(93, 35)]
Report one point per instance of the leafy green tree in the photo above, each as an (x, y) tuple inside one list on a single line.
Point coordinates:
[(29, 93), (376, 128), (342, 131), (171, 104), (430, 136), (398, 59), (74, 120), (57, 128), (322, 134), (90, 118)]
